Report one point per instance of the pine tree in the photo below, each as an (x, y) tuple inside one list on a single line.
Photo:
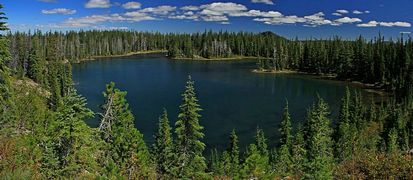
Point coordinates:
[(299, 153), (261, 143), (285, 128), (234, 155), (163, 147), (284, 164), (345, 134), (75, 147), (318, 141), (5, 86), (189, 147), (125, 145), (35, 67), (255, 164)]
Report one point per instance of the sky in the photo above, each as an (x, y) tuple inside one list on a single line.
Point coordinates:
[(288, 18)]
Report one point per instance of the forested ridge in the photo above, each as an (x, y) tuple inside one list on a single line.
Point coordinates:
[(43, 134)]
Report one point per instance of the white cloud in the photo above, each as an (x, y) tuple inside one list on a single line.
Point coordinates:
[(263, 1), (357, 12), (342, 11), (385, 24), (215, 18), (221, 8), (337, 14), (137, 16), (397, 24), (367, 12), (190, 8), (110, 27), (59, 11), (369, 24), (160, 10), (225, 22), (345, 20), (92, 19), (132, 5), (317, 19), (281, 20), (98, 4)]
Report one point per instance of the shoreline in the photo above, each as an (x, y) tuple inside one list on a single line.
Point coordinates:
[(371, 88), (217, 58), (93, 58)]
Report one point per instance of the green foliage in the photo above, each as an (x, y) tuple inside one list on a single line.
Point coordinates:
[(318, 141), (234, 155), (285, 128), (189, 163), (124, 143), (75, 147), (163, 150), (255, 164)]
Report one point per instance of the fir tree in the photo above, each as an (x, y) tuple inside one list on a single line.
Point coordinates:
[(345, 134), (189, 163), (261, 143), (5, 86), (299, 153), (318, 141), (125, 145), (75, 147), (285, 128), (255, 164), (163, 147), (234, 155), (284, 164)]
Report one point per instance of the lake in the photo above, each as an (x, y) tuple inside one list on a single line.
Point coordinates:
[(231, 96)]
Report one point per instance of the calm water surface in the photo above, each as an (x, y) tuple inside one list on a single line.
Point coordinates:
[(230, 95)]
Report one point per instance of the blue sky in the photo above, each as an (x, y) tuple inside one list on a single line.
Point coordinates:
[(289, 18)]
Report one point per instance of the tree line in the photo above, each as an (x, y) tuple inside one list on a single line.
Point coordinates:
[(43, 133), (384, 64)]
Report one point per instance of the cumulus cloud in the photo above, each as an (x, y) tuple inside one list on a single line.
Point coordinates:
[(160, 10), (98, 4), (360, 12), (281, 20), (94, 20), (369, 24), (59, 11), (132, 5), (187, 15), (385, 24), (357, 12), (397, 24), (219, 8), (317, 19), (215, 18), (342, 11), (336, 14), (190, 8), (263, 1), (345, 20)]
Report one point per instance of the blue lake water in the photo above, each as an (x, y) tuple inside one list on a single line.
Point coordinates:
[(231, 96)]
